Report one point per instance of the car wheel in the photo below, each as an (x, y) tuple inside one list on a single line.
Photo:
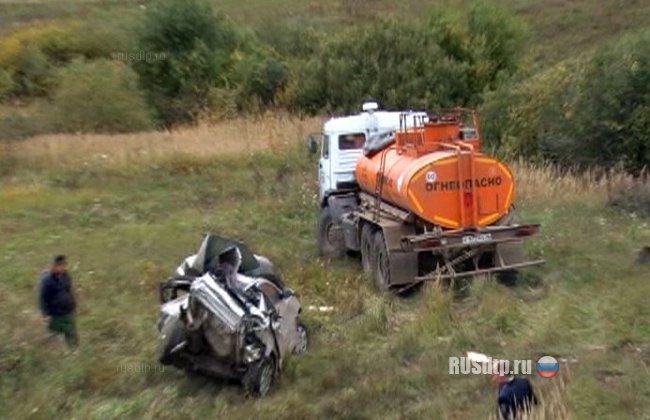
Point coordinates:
[(302, 339), (173, 334), (273, 278), (381, 270), (259, 378), (331, 243)]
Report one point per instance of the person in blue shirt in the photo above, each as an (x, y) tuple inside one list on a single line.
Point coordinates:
[(515, 396), (57, 301)]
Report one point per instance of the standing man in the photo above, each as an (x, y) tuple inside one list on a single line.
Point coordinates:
[(57, 301)]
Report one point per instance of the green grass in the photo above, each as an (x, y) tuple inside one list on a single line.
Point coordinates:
[(376, 356)]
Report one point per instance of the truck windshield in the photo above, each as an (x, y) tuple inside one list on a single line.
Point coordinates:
[(352, 141)]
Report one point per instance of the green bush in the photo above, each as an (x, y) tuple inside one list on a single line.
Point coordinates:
[(445, 60), (259, 78), (488, 37), (592, 110), (195, 48), (612, 118), (17, 125), (496, 44), (98, 96), (31, 55), (397, 63), (528, 117), (32, 73), (6, 83)]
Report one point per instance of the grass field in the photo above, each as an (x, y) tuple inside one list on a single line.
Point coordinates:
[(126, 221)]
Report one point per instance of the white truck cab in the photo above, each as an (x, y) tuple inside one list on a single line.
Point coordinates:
[(342, 142)]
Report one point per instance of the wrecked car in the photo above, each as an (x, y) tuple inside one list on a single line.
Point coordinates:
[(225, 313)]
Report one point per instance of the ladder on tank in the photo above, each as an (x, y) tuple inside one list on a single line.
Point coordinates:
[(418, 121), (379, 184)]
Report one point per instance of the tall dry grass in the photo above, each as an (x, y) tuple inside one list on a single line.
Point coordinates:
[(552, 185), (242, 135), (547, 183)]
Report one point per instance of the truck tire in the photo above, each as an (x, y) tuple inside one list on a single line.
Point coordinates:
[(331, 242), (508, 278), (366, 245), (381, 270)]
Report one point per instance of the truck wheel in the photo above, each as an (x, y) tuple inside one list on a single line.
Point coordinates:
[(331, 242), (381, 271), (367, 233), (508, 278), (259, 378)]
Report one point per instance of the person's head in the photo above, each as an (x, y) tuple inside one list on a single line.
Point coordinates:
[(499, 374), (58, 264)]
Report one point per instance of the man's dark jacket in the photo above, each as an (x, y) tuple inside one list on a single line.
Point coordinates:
[(55, 296), (516, 396)]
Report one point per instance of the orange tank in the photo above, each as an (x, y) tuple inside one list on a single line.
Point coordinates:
[(435, 173)]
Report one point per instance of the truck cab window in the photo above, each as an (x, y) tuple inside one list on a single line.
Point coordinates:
[(352, 141), (326, 147)]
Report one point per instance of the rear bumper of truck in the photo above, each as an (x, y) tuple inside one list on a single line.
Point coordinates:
[(504, 242), (467, 237)]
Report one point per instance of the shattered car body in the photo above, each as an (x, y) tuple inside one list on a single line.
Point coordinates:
[(218, 321)]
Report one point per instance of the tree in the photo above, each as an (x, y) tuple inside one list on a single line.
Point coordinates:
[(187, 51)]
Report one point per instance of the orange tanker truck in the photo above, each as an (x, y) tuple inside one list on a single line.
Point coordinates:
[(412, 193)]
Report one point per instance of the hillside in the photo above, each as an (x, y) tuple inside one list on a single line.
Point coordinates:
[(561, 29), (127, 220)]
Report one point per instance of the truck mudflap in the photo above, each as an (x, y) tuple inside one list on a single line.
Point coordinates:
[(466, 247)]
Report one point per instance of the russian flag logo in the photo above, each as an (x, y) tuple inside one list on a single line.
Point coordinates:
[(547, 367)]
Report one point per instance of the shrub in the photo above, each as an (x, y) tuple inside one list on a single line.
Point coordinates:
[(196, 46), (17, 125), (30, 55), (593, 110), (612, 118), (49, 38), (392, 61), (528, 117), (446, 60), (259, 78), (488, 37), (32, 73), (496, 44), (6, 83), (98, 96)]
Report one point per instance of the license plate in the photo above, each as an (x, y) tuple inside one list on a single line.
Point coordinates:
[(477, 239)]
